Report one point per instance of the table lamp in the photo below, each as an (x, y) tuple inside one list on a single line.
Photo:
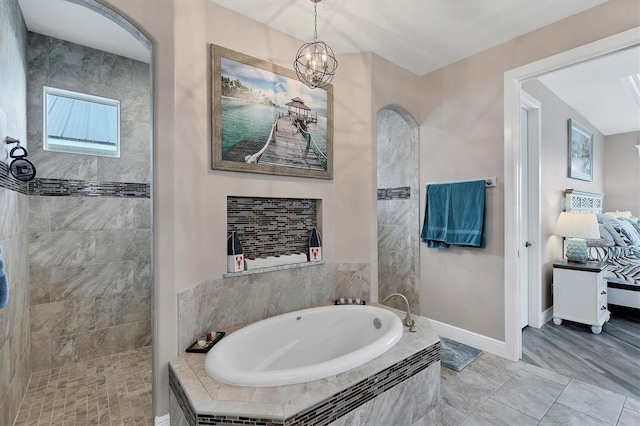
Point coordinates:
[(575, 227)]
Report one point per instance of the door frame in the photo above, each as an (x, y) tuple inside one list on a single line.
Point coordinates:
[(513, 178), (531, 193)]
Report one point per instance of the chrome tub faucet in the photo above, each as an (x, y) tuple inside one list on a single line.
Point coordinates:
[(408, 321)]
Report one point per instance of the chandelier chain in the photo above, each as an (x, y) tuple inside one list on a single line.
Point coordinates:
[(315, 22)]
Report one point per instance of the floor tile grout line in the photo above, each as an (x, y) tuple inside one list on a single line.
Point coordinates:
[(515, 409)]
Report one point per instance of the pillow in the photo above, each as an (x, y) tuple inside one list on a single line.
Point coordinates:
[(617, 213), (619, 230), (635, 222), (605, 240), (626, 228)]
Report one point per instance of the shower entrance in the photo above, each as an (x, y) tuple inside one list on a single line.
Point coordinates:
[(398, 205)]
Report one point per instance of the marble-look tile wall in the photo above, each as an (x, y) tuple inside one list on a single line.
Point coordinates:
[(65, 65), (404, 404), (15, 368), (226, 303), (89, 256), (398, 217), (90, 277)]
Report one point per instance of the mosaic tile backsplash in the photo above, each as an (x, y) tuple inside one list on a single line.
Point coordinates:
[(272, 226), (9, 182), (402, 192), (82, 188)]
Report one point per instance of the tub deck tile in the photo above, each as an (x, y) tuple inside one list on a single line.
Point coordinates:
[(316, 402)]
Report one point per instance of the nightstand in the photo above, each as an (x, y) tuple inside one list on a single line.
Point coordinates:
[(580, 293)]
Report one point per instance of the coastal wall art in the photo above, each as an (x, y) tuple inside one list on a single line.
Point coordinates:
[(580, 151), (264, 120)]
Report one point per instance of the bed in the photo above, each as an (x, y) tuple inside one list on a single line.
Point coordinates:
[(619, 247)]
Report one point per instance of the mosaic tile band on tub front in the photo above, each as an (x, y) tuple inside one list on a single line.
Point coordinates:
[(331, 408)]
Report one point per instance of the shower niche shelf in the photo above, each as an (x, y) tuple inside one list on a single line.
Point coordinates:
[(272, 268)]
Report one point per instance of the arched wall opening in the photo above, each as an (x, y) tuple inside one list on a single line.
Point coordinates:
[(88, 257), (398, 206)]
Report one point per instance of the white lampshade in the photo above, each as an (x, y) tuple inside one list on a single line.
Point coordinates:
[(577, 225)]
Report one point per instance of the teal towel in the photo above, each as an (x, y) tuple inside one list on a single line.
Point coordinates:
[(436, 218), (454, 215), (4, 284)]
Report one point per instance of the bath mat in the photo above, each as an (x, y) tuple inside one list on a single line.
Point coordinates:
[(455, 355)]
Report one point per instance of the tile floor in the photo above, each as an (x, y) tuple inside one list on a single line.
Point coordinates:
[(110, 390), (494, 391), (116, 390)]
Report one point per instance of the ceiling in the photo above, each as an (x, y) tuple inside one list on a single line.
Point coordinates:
[(78, 24), (605, 91), (419, 35)]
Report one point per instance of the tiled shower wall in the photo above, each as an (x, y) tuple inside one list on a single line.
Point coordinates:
[(398, 213), (15, 368), (64, 65), (89, 216)]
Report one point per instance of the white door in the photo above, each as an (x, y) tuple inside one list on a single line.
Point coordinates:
[(523, 252)]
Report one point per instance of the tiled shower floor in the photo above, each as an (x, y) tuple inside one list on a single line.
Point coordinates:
[(111, 390)]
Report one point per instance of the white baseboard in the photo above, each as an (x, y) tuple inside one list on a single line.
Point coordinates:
[(546, 316), (162, 420), (478, 341)]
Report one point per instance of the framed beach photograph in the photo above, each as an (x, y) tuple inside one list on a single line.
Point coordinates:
[(580, 151), (264, 120)]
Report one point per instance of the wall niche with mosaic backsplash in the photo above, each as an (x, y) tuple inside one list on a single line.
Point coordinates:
[(89, 216), (272, 226)]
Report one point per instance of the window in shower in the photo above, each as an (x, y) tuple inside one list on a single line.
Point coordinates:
[(79, 123)]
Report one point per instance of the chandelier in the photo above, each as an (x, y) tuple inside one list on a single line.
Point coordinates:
[(315, 62)]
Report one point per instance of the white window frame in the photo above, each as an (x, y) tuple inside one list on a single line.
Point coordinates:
[(46, 90)]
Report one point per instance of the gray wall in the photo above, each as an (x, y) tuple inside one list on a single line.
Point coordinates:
[(622, 172), (554, 179), (398, 230), (89, 256), (14, 317)]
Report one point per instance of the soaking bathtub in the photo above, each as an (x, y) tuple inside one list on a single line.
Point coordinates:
[(304, 345)]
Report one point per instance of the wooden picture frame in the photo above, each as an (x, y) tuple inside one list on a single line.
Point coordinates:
[(580, 151), (264, 120)]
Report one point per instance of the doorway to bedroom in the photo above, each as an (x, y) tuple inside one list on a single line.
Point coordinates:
[(571, 349)]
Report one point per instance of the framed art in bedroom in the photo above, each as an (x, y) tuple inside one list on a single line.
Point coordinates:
[(580, 151)]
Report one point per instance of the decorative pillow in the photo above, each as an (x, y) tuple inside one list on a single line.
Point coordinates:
[(623, 234), (605, 240), (627, 229), (635, 222), (619, 238)]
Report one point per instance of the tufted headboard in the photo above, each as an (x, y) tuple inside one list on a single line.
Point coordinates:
[(582, 201)]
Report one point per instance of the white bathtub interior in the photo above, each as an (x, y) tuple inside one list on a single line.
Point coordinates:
[(303, 345)]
